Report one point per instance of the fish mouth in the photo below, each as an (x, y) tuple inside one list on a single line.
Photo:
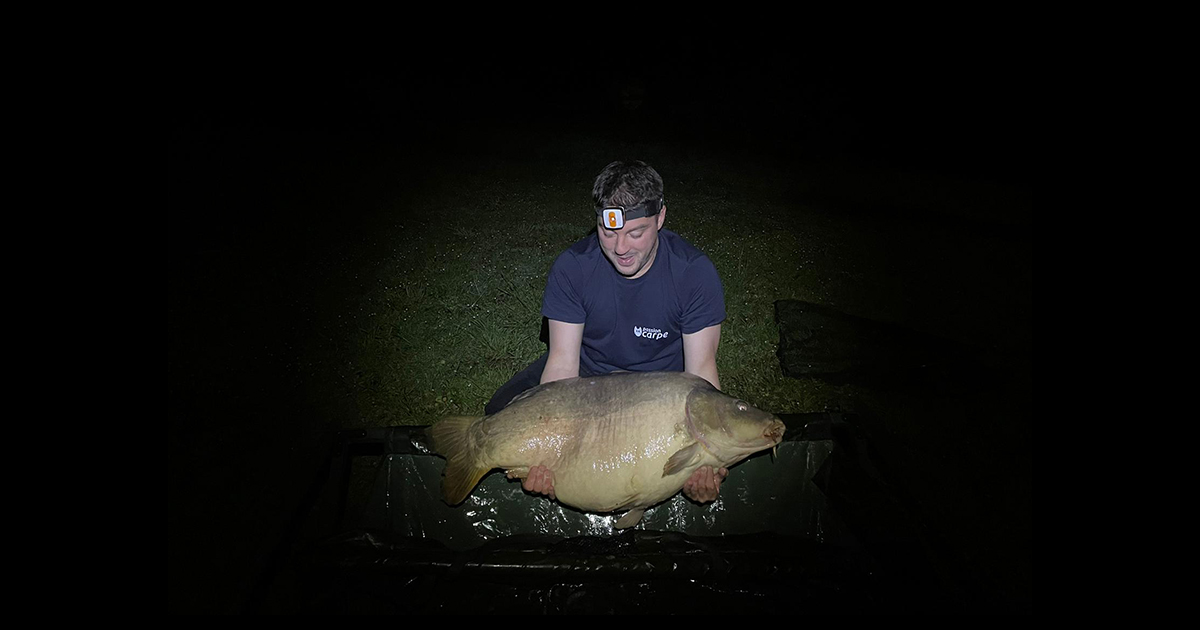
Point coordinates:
[(774, 435), (774, 431), (771, 437)]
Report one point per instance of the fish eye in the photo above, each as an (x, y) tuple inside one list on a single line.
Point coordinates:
[(741, 406)]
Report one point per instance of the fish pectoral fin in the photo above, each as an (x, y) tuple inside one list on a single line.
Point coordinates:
[(631, 518), (682, 459), (519, 472)]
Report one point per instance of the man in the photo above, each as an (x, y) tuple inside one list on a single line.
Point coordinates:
[(634, 297)]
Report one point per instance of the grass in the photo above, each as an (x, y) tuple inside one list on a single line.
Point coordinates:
[(454, 308)]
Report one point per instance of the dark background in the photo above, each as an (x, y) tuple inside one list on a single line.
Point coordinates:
[(263, 142)]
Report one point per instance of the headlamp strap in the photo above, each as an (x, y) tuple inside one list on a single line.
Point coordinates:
[(614, 217)]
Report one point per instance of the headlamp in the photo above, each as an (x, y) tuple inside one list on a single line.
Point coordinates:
[(614, 217)]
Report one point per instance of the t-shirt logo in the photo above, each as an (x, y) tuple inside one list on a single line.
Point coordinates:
[(649, 333)]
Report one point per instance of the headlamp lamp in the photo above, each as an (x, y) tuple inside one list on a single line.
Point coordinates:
[(614, 217)]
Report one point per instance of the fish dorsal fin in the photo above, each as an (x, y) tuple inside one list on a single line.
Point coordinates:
[(522, 396), (527, 393), (683, 458), (630, 519)]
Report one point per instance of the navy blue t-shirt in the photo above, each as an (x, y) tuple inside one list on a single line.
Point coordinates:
[(637, 324)]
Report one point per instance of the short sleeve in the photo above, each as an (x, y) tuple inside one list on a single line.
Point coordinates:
[(704, 297), (561, 301)]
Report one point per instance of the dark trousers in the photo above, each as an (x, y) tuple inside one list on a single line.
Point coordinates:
[(525, 380)]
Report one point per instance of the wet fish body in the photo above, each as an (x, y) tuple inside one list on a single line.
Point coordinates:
[(616, 443)]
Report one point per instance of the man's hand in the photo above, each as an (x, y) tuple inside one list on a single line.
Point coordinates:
[(704, 484), (539, 481)]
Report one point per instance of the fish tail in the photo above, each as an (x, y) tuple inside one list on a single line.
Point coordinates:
[(463, 469)]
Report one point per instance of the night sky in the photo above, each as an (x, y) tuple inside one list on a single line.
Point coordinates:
[(957, 106)]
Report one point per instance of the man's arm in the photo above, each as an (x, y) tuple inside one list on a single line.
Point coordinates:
[(700, 358), (563, 361), (700, 354)]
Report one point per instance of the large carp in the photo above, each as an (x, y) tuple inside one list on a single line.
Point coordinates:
[(615, 443)]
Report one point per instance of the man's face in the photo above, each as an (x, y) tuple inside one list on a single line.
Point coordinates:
[(631, 249)]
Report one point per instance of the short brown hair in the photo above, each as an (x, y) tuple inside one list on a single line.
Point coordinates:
[(626, 183)]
